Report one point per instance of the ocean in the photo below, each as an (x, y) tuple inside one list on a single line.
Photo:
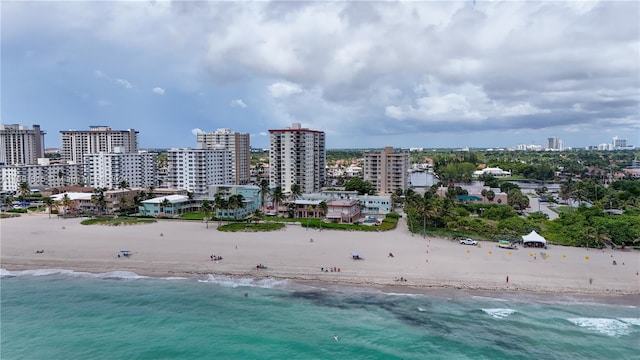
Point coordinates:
[(62, 314)]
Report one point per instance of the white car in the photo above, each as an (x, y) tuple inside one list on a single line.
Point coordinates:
[(468, 242)]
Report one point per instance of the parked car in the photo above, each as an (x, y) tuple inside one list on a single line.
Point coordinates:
[(468, 242)]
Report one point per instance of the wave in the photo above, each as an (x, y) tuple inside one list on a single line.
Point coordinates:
[(233, 282), (500, 313), (112, 275), (478, 297), (606, 326)]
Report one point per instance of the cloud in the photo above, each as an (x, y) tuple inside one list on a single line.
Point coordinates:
[(103, 103), (359, 71), (238, 103), (196, 131), (283, 89), (466, 102), (122, 82)]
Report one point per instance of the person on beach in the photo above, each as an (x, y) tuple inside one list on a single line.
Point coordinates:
[(507, 279)]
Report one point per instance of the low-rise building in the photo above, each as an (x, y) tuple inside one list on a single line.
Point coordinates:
[(251, 199), (167, 206), (495, 171)]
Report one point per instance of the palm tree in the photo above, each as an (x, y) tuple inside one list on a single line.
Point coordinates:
[(206, 208), (264, 190), (99, 200), (324, 208), (8, 201), (220, 203), (150, 194), (137, 200), (66, 202), (48, 202), (296, 192), (567, 192), (236, 202), (164, 204), (491, 195), (277, 196), (123, 203), (24, 190)]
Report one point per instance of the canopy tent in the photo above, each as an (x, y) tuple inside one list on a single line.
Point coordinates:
[(534, 239)]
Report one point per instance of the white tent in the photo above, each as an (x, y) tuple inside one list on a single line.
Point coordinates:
[(534, 239)]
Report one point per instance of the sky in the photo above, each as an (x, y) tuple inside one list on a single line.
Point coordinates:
[(369, 74)]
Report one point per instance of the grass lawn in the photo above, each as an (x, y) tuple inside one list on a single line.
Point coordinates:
[(116, 221)]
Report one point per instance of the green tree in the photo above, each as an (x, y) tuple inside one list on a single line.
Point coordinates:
[(324, 208), (277, 196), (24, 189), (48, 202), (517, 200), (99, 199), (123, 204), (164, 204), (361, 186), (206, 208), (296, 192), (66, 202), (220, 203), (264, 191)]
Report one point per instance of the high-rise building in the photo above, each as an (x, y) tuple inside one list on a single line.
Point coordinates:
[(554, 143), (109, 170), (619, 143), (239, 145), (196, 169), (297, 156), (386, 170), (20, 145), (98, 139)]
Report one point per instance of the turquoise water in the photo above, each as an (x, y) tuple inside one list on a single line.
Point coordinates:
[(52, 314)]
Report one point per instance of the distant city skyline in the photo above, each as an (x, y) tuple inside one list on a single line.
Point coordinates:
[(477, 74)]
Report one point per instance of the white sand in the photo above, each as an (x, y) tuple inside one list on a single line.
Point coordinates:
[(185, 248)]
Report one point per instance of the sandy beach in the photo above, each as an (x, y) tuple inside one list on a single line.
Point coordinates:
[(180, 248)]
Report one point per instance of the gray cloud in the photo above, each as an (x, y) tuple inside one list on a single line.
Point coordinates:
[(379, 67)]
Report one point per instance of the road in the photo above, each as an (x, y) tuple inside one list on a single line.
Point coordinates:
[(536, 205)]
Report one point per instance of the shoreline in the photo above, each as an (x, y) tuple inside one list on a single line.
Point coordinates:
[(444, 291), (166, 249)]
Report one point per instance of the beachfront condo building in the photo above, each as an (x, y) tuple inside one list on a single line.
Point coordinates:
[(40, 176), (98, 139), (297, 156), (196, 169), (239, 145), (20, 145), (386, 170), (117, 169)]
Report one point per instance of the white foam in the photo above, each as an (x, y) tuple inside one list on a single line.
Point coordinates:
[(38, 272), (233, 282), (70, 273), (487, 298), (499, 313), (632, 321), (120, 275), (611, 327), (421, 309)]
